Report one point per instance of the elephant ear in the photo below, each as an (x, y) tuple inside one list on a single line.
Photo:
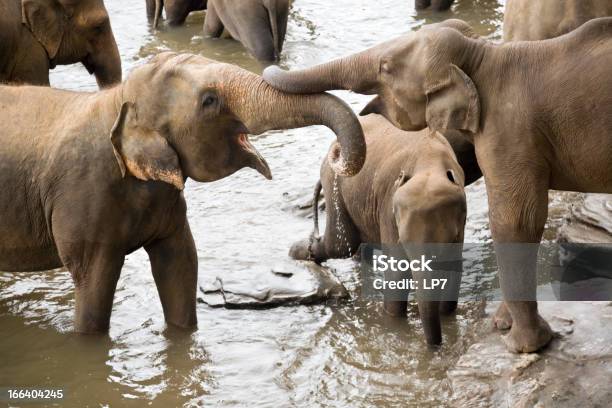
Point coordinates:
[(144, 152), (454, 103), (46, 19)]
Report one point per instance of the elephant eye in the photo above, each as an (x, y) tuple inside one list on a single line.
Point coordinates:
[(209, 100), (402, 179), (100, 26)]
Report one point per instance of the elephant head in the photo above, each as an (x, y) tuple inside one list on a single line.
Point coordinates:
[(421, 79), (75, 31), (185, 116), (430, 199)]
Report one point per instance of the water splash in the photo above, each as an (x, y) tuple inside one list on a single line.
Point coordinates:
[(341, 235)]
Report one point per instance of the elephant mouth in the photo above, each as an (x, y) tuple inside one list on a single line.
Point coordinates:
[(255, 159)]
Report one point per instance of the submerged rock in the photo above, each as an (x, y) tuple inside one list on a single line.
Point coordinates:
[(590, 221), (575, 370), (289, 284)]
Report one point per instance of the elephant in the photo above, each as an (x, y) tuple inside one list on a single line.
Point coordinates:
[(260, 25), (37, 35), (526, 20), (436, 5), (539, 115), (96, 176), (409, 193)]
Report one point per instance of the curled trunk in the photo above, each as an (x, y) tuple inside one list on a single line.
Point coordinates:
[(271, 109)]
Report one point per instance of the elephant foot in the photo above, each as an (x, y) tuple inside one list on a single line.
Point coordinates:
[(307, 250), (300, 251), (502, 320), (528, 339), (395, 308)]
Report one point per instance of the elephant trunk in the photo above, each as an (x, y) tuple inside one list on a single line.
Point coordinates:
[(430, 318), (105, 63), (271, 109), (357, 73)]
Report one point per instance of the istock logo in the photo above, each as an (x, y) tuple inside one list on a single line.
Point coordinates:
[(384, 263)]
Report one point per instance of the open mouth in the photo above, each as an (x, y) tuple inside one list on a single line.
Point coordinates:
[(256, 160)]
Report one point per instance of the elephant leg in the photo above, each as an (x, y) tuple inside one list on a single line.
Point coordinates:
[(450, 294), (150, 4), (174, 264), (310, 249), (254, 32), (95, 270), (279, 17), (395, 301), (518, 215), (213, 27), (502, 319)]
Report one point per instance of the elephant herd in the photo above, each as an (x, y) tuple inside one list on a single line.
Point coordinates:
[(449, 108)]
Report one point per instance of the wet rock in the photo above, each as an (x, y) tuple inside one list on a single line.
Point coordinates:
[(590, 221), (292, 283), (574, 371)]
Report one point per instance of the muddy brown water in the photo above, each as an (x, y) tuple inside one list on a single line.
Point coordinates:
[(347, 354)]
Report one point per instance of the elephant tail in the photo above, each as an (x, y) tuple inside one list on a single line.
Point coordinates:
[(315, 208), (159, 5)]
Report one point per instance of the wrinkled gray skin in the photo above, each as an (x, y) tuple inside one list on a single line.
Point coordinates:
[(528, 20), (260, 25), (37, 35), (95, 176), (410, 191), (437, 5), (539, 115)]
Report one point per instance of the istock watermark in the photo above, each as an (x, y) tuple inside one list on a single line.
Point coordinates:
[(383, 263), (462, 272)]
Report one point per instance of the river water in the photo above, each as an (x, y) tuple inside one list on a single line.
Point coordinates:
[(327, 355)]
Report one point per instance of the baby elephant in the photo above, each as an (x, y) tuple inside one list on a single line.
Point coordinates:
[(409, 191)]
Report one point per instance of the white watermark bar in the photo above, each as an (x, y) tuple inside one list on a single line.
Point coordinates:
[(465, 272)]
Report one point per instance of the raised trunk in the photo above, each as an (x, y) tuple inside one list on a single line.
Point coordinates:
[(358, 73), (270, 109)]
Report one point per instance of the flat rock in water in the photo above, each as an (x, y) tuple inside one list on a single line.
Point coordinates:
[(575, 370), (590, 221), (292, 283)]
